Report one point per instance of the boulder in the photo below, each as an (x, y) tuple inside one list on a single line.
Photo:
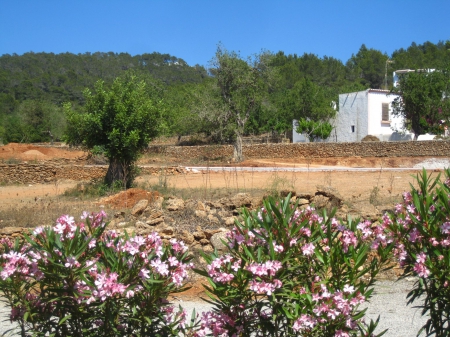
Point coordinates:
[(216, 241)]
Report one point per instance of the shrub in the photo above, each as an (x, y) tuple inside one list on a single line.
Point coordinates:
[(76, 279), (293, 272), (421, 230)]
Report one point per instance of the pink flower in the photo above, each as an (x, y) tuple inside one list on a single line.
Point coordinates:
[(71, 262), (421, 270), (308, 249)]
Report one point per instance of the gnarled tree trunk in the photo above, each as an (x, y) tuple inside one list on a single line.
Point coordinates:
[(119, 171)]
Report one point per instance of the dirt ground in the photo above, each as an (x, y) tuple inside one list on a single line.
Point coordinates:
[(353, 186)]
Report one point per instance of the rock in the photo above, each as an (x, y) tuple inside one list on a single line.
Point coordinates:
[(204, 242), (223, 214), (210, 232), (208, 249), (216, 241), (167, 230), (200, 214), (157, 203), (154, 222), (139, 208), (155, 217), (11, 230), (302, 201), (175, 204), (230, 221), (199, 235), (187, 237), (335, 199), (213, 219), (201, 206), (143, 228), (124, 224), (241, 200), (320, 201), (120, 214)]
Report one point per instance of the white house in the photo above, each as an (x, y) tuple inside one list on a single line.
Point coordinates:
[(367, 112)]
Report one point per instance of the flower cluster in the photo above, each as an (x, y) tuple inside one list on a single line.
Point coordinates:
[(100, 278), (272, 280), (420, 230), (329, 307)]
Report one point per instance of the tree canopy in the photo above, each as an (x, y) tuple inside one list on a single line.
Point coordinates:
[(242, 85), (33, 87), (424, 101), (118, 121)]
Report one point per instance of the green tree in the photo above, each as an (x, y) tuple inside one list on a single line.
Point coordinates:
[(120, 121), (423, 101), (367, 67), (311, 105), (242, 86)]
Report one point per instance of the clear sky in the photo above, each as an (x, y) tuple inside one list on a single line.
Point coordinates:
[(191, 29)]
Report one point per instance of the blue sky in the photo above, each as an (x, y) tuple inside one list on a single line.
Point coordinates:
[(191, 30)]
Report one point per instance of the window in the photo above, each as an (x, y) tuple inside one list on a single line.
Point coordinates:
[(353, 128), (385, 112)]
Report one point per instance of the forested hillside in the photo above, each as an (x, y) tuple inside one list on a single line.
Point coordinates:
[(33, 87)]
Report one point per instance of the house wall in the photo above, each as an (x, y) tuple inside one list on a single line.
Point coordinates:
[(381, 129), (351, 124)]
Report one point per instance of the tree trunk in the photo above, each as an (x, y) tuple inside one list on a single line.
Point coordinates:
[(118, 171), (238, 157)]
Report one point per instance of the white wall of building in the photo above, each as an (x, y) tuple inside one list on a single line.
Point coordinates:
[(384, 130), (360, 114), (351, 122)]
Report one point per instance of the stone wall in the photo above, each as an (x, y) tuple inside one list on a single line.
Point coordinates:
[(47, 173), (309, 150)]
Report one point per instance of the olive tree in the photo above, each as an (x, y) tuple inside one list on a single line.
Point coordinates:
[(242, 86), (118, 121)]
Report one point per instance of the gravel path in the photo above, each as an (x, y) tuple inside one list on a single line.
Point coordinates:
[(389, 301)]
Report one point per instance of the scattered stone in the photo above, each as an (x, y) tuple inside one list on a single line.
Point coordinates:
[(158, 202), (199, 235), (208, 249), (210, 232), (123, 224), (201, 206), (139, 208), (175, 204), (167, 230), (154, 221), (230, 221), (200, 214), (302, 201), (187, 237), (213, 219), (11, 230)]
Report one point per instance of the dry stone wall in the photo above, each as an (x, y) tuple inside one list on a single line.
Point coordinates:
[(47, 173), (309, 150)]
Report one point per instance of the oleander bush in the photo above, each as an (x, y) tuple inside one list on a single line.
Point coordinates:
[(77, 279), (420, 229), (293, 272)]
